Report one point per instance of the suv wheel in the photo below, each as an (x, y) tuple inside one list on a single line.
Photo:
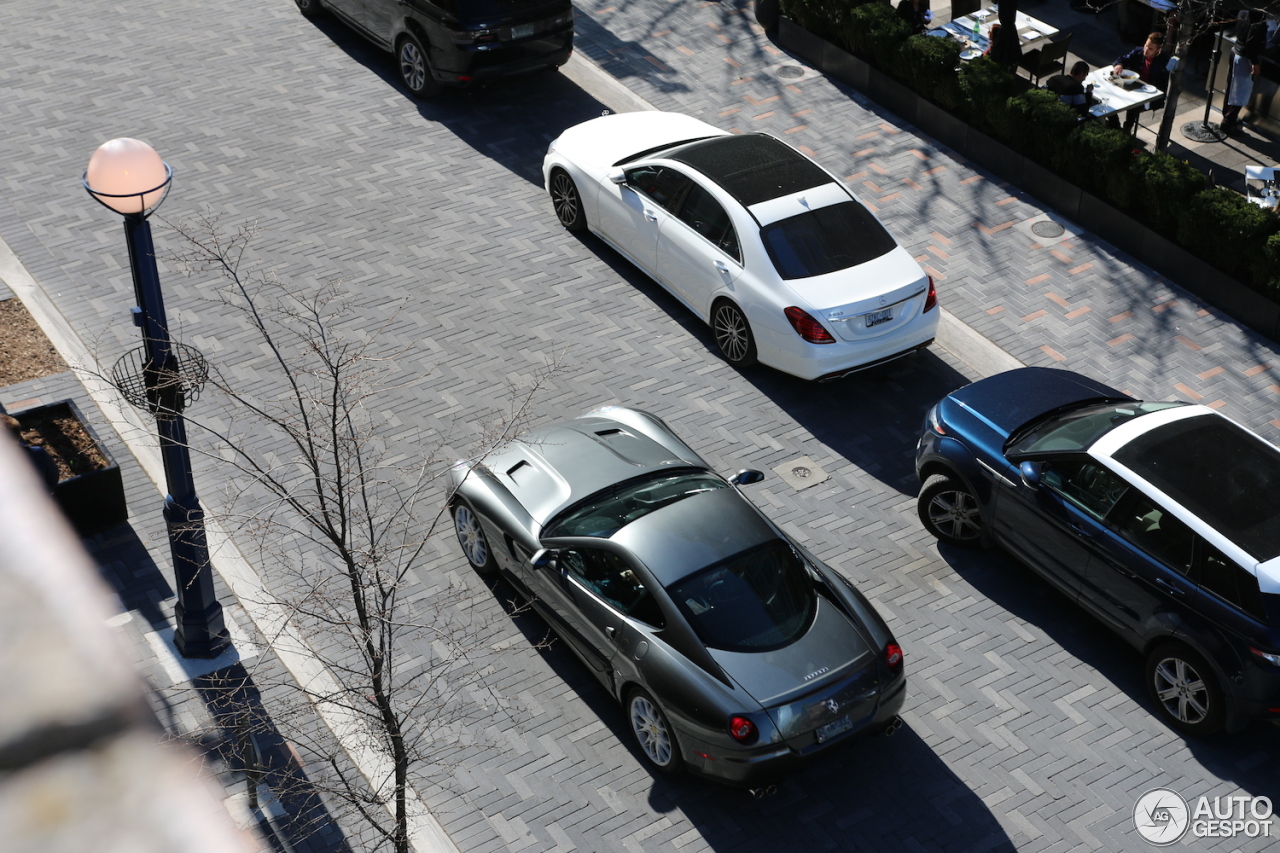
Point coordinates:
[(950, 512), (310, 8), (415, 71), (1185, 689)]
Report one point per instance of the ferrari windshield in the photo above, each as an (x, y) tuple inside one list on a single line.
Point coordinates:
[(755, 601), (608, 511), (1078, 429)]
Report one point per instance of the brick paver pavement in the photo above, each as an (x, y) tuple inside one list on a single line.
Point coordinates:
[(1027, 726)]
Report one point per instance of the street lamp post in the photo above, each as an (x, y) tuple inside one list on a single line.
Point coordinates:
[(128, 176)]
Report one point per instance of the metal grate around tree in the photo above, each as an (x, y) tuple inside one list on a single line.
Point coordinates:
[(171, 390)]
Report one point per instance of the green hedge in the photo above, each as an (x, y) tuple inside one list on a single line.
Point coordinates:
[(1164, 193), (1040, 124), (987, 89), (826, 18), (875, 32), (1101, 160), (1229, 232), (930, 65)]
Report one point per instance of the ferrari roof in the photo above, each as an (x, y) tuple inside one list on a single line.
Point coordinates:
[(694, 533)]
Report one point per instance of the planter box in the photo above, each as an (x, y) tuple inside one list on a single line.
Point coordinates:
[(1055, 191), (802, 43), (1225, 293), (1213, 286), (92, 497)]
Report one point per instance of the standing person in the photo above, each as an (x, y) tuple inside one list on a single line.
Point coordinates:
[(1152, 67), (1070, 87), (916, 13), (45, 467), (1251, 40)]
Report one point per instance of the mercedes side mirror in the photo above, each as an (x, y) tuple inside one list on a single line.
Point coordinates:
[(545, 559), (1030, 472), (617, 176), (746, 477)]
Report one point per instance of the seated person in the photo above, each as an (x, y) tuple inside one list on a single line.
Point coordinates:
[(1070, 88), (916, 13), (991, 39), (1152, 67)]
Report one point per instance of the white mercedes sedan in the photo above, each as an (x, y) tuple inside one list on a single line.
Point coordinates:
[(787, 266)]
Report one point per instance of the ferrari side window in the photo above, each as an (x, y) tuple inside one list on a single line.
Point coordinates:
[(609, 577)]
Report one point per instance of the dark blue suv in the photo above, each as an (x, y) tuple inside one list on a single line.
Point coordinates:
[(1162, 519)]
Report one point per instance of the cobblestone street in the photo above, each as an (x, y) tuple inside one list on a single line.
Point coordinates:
[(1027, 725)]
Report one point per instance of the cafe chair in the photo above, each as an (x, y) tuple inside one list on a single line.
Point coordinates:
[(1045, 60), (960, 8)]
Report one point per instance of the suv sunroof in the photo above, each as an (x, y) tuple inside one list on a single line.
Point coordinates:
[(1218, 471)]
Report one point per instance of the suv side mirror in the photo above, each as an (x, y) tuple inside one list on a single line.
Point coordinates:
[(1030, 472), (617, 176), (746, 477), (545, 559)]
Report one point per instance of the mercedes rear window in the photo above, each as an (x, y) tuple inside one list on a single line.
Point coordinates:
[(825, 240), (1220, 472)]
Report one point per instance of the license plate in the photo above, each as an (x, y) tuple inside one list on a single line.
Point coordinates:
[(875, 318), (522, 31), (830, 730)]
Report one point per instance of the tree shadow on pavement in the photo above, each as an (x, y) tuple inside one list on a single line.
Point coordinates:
[(510, 121)]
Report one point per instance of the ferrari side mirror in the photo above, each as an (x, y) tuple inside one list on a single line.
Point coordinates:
[(746, 477)]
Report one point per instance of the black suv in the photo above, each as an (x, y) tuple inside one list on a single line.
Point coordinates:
[(1160, 518), (459, 42)]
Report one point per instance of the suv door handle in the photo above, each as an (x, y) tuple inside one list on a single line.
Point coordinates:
[(722, 266), (650, 215), (1168, 587)]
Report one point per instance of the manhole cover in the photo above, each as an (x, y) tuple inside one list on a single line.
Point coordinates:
[(1047, 229), (790, 71), (800, 472)]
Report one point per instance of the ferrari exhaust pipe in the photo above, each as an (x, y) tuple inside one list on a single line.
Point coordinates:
[(892, 726), (763, 791)]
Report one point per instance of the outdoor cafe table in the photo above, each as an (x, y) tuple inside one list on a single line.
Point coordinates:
[(1032, 33), (1113, 98)]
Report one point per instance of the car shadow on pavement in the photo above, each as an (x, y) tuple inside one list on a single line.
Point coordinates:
[(1246, 758), (511, 121), (846, 794), (872, 418), (878, 793)]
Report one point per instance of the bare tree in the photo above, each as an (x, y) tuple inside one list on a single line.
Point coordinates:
[(343, 516)]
